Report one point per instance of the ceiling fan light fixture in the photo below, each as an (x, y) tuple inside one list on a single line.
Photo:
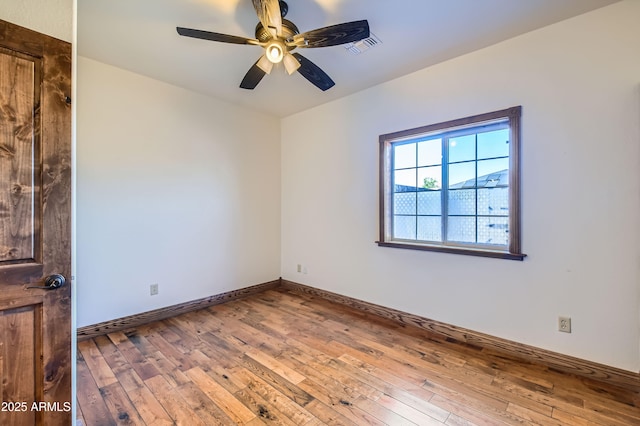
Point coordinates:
[(291, 64), (265, 64), (275, 51)]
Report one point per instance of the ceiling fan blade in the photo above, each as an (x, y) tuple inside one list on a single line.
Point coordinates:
[(268, 12), (334, 35), (313, 73), (252, 77), (208, 35)]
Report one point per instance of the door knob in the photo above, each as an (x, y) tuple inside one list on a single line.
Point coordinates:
[(51, 282)]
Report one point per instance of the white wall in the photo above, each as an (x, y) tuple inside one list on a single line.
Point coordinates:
[(578, 82), (173, 188), (51, 17)]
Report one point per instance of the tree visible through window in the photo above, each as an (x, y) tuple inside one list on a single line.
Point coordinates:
[(453, 186)]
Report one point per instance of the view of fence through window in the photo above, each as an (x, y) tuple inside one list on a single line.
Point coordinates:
[(453, 186)]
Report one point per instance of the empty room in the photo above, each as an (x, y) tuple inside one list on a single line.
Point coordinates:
[(307, 212)]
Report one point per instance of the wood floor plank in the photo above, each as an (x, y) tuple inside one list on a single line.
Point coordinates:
[(79, 415), (138, 339), (276, 399), (129, 380), (286, 358), (275, 366), (382, 413), (174, 375), (473, 414), (327, 415), (134, 357), (423, 368), (124, 412), (459, 391), (613, 410), (233, 408), (266, 411), (89, 397), (178, 358), (531, 416), (413, 396), (407, 411), (111, 355), (180, 412), (102, 373), (413, 386), (149, 408), (571, 419), (293, 391), (454, 420), (338, 400), (203, 406)]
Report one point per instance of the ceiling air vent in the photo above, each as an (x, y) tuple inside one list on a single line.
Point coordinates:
[(365, 44)]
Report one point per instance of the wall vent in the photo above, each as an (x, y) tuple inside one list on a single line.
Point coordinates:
[(365, 44)]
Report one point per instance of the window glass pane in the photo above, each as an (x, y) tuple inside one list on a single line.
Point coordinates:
[(404, 203), (493, 201), (404, 227), (462, 175), (404, 155), (430, 152), (492, 173), (430, 228), (493, 144), (462, 202), (462, 148), (430, 177), (493, 230), (461, 229), (404, 180), (429, 202)]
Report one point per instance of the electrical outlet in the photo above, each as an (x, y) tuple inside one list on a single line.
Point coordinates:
[(564, 324), (299, 267), (153, 289)]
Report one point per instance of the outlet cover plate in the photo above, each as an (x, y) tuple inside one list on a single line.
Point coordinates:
[(564, 324)]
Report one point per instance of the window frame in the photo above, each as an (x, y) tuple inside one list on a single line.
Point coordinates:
[(387, 141)]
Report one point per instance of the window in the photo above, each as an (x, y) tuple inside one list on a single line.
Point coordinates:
[(453, 187)]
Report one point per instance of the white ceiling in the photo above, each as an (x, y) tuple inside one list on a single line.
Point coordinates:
[(140, 36)]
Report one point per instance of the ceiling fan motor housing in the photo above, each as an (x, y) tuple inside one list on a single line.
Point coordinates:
[(289, 29)]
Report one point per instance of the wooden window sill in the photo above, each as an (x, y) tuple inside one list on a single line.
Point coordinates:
[(454, 250)]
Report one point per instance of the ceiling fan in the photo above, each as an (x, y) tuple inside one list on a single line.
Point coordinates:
[(279, 36)]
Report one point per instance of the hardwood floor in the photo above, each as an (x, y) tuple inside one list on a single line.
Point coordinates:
[(284, 358)]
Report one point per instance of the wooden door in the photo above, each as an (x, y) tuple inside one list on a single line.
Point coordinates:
[(35, 225)]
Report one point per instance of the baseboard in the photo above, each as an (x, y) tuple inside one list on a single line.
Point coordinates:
[(553, 360), (130, 321)]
